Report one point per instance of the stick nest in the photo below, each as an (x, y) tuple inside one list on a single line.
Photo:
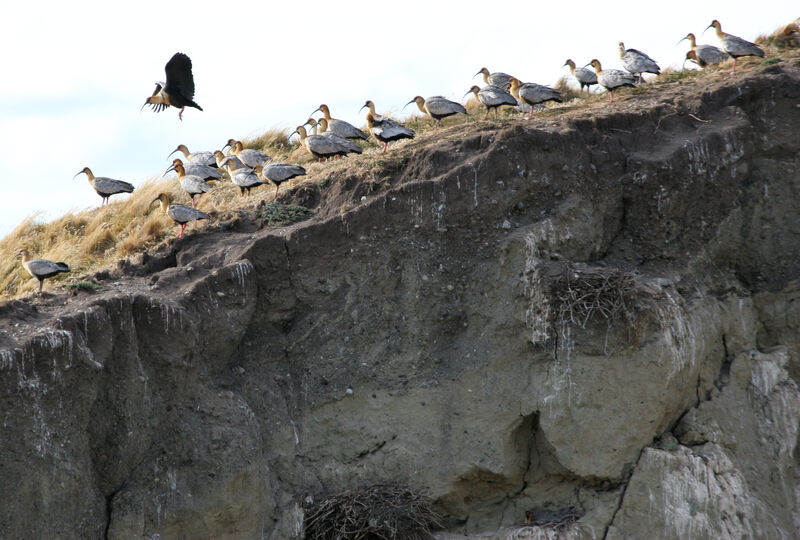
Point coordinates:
[(373, 513), (602, 294)]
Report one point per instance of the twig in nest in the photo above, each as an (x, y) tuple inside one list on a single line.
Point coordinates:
[(699, 119), (376, 512)]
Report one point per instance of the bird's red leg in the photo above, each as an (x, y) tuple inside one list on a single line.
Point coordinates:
[(276, 191), (180, 114), (183, 226), (734, 65), (385, 146)]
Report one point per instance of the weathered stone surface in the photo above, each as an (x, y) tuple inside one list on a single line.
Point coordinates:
[(233, 377)]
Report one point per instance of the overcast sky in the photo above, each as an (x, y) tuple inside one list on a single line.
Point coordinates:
[(75, 74)]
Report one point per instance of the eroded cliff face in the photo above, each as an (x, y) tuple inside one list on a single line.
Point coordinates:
[(410, 333)]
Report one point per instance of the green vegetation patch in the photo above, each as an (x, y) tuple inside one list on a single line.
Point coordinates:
[(770, 61), (89, 286), (276, 214)]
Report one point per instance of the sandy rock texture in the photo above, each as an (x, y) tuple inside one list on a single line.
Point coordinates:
[(595, 311)]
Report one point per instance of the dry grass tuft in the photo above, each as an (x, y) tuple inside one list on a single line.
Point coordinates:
[(274, 142), (379, 511), (785, 37)]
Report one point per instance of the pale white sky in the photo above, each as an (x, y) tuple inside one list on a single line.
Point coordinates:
[(75, 74)]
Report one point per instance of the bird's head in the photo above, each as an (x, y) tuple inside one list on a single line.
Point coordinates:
[(483, 71), (164, 198), (595, 63), (322, 124), (569, 63), (690, 55), (715, 25), (87, 171), (182, 149), (231, 143), (621, 47), (367, 105), (419, 100), (473, 90), (177, 166)]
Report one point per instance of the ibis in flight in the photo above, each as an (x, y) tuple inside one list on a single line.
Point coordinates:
[(178, 91), (611, 79), (437, 107), (278, 173), (105, 187), (340, 127), (179, 213), (704, 55), (192, 184), (585, 77), (387, 130), (637, 62), (734, 45), (41, 269), (203, 157), (532, 93), (492, 97)]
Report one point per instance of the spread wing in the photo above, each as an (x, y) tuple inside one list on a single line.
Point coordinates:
[(179, 76)]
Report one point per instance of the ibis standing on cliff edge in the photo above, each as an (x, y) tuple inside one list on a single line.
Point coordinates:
[(178, 91), (41, 269), (734, 45), (105, 187)]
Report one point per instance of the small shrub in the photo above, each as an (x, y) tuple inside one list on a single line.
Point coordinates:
[(277, 215), (90, 286)]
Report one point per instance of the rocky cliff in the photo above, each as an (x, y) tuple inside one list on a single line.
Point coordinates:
[(595, 311)]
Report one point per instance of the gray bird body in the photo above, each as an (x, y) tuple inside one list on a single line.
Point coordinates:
[(439, 107), (637, 62), (203, 171), (495, 96), (585, 77), (202, 158), (345, 129), (498, 78), (194, 185), (251, 157), (533, 94), (236, 163), (280, 172), (42, 269), (105, 187), (710, 55), (182, 214), (351, 146), (611, 79), (736, 46), (387, 130), (246, 179), (322, 146)]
